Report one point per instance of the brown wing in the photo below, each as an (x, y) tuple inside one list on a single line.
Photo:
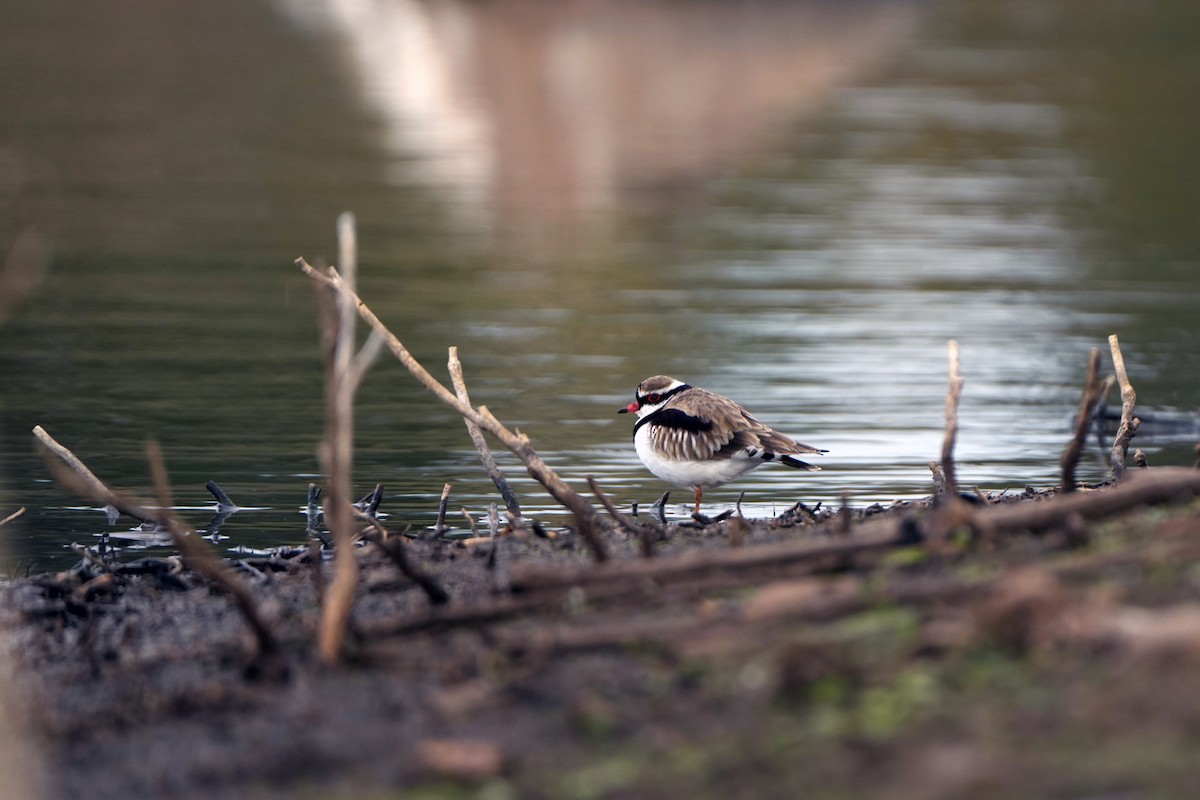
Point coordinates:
[(700, 424)]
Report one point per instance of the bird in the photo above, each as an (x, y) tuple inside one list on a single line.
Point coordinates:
[(697, 439)]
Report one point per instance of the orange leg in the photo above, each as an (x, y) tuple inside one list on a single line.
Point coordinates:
[(699, 492)]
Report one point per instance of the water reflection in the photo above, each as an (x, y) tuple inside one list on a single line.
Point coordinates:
[(795, 204), (537, 117)]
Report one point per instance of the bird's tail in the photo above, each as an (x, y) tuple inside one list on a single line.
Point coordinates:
[(798, 464)]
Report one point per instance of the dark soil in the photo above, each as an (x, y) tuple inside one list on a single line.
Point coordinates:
[(941, 659)]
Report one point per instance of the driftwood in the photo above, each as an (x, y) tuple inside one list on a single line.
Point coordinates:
[(1129, 423), (1083, 422), (1144, 487), (869, 536), (590, 525)]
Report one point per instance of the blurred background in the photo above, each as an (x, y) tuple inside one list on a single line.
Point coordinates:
[(793, 203)]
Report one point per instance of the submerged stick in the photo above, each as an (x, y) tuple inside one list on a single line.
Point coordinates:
[(439, 525), (485, 454), (1083, 422), (949, 471), (1129, 423), (588, 520)]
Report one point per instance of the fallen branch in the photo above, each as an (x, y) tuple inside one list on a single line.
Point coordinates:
[(868, 537), (1083, 421), (1129, 424), (485, 454), (588, 520), (1149, 486)]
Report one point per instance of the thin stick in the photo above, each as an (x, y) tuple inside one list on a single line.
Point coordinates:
[(485, 454), (956, 385), (1083, 422), (439, 527), (344, 373), (75, 475), (1143, 487), (88, 484), (939, 480), (645, 535), (12, 516), (589, 521), (1129, 424)]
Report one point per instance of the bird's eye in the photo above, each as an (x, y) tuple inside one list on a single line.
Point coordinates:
[(653, 398)]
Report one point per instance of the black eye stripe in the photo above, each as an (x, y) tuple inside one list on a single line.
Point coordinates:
[(655, 398)]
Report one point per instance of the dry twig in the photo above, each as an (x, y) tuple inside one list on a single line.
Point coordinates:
[(589, 522), (485, 454), (949, 472), (1129, 423), (345, 371), (85, 483)]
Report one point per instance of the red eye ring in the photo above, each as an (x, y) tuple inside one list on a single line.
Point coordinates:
[(653, 398)]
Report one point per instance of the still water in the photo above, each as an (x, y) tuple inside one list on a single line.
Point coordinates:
[(795, 204)]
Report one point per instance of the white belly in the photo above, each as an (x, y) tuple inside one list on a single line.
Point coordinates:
[(705, 474)]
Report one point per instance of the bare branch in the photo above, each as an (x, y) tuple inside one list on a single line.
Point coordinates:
[(1129, 424), (343, 375), (485, 454), (75, 475), (956, 384), (588, 520)]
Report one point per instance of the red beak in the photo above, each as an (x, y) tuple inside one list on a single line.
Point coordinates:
[(634, 406)]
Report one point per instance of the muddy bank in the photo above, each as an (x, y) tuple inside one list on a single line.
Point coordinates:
[(910, 652)]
